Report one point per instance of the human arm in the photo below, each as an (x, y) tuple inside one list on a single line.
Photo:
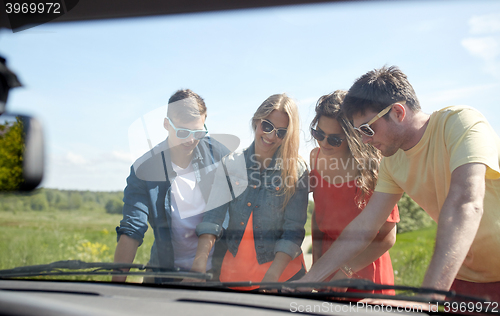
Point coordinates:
[(230, 182), (134, 224), (457, 225), (124, 253), (205, 244), (384, 240), (288, 242), (288, 247), (291, 226), (355, 237), (279, 264), (208, 231)]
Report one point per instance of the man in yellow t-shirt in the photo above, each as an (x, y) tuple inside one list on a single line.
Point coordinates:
[(448, 163)]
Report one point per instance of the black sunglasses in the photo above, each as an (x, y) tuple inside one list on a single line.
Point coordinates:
[(333, 140), (268, 127)]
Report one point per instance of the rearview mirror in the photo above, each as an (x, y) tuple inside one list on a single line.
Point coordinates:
[(21, 153)]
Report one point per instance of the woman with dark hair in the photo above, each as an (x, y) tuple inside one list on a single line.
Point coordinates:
[(343, 177)]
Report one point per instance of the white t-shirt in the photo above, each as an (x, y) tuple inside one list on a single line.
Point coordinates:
[(187, 205)]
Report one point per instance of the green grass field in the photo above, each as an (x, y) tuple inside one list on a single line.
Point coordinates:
[(30, 238), (411, 255)]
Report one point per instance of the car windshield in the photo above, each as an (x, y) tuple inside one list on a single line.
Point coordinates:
[(109, 92)]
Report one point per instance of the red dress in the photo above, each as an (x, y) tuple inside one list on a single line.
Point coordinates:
[(335, 207)]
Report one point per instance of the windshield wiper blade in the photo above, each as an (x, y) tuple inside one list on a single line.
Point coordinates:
[(358, 284), (98, 268)]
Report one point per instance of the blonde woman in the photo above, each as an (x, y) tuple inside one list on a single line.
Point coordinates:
[(343, 177), (268, 210)]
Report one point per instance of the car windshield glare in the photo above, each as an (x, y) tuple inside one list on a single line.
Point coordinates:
[(309, 151)]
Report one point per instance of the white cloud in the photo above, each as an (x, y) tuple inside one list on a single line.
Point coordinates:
[(486, 48), (75, 159), (121, 156), (87, 170), (485, 24)]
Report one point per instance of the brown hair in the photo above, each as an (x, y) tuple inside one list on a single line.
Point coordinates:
[(186, 105), (377, 89), (366, 156)]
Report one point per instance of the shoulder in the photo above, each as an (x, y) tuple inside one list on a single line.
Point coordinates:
[(235, 159), (457, 110), (151, 154), (312, 156), (457, 115), (217, 147), (147, 166), (454, 124), (301, 166), (236, 155)]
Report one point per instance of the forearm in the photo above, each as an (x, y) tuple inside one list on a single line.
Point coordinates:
[(454, 237), (205, 245), (350, 243), (368, 256), (279, 264), (380, 245), (457, 225), (125, 252), (355, 237)]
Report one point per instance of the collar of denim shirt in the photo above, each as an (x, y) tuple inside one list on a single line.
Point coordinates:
[(252, 163)]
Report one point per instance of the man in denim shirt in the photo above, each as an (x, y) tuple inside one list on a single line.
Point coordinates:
[(169, 187)]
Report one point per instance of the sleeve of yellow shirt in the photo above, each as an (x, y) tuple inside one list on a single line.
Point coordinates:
[(385, 182), (471, 139)]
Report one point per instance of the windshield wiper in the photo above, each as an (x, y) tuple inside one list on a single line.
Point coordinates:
[(287, 288), (98, 268)]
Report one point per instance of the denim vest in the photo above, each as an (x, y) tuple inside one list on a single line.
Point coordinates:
[(276, 228)]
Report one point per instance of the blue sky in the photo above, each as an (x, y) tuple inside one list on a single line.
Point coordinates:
[(88, 82)]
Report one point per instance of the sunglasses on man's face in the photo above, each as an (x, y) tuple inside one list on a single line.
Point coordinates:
[(332, 139), (268, 127), (183, 133), (366, 129)]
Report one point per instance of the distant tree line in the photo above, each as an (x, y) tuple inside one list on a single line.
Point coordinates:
[(62, 200)]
